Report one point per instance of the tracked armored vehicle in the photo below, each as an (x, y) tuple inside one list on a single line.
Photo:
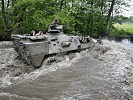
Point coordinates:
[(33, 49)]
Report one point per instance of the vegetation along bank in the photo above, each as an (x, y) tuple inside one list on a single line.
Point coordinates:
[(84, 17)]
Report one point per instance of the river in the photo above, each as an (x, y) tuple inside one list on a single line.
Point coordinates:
[(104, 72)]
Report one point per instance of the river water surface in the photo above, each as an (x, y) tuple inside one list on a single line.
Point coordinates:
[(104, 72)]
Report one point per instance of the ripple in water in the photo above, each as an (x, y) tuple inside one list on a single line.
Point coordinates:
[(109, 74)]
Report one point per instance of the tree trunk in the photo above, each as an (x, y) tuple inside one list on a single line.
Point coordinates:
[(109, 17), (102, 6), (8, 3), (4, 18), (13, 11), (110, 10), (16, 23), (92, 16), (61, 4), (12, 3)]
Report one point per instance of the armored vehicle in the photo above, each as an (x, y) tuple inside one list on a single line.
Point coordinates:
[(33, 49)]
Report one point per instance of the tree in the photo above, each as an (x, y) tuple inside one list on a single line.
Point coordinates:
[(61, 4), (4, 17), (84, 17), (110, 10)]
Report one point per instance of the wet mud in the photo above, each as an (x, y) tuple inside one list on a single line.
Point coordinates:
[(103, 72)]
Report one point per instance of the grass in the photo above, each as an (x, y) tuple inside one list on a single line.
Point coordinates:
[(128, 27)]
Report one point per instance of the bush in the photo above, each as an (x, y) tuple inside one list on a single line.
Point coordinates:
[(118, 32)]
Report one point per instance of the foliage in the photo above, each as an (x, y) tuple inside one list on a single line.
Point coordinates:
[(34, 14), (118, 32), (83, 17)]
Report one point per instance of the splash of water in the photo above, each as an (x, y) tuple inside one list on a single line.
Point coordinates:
[(9, 96), (127, 42), (117, 53)]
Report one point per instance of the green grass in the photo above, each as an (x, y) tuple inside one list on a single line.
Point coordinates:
[(128, 27)]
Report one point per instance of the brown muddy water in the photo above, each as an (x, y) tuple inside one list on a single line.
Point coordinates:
[(104, 72)]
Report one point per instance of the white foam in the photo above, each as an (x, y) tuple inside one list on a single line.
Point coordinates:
[(9, 95), (127, 42), (119, 52)]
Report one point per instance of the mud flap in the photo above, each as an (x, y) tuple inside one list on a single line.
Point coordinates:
[(37, 60)]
